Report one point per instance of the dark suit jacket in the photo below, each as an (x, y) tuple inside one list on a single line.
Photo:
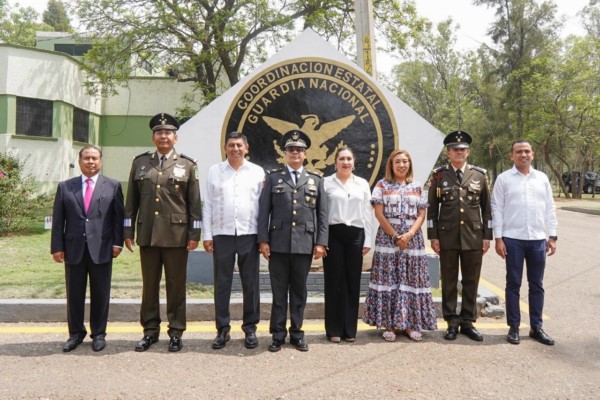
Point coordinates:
[(459, 214), (293, 218), (101, 228)]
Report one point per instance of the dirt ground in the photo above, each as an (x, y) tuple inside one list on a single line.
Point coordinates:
[(34, 366)]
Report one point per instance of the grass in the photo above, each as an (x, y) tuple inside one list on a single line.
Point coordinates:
[(28, 271)]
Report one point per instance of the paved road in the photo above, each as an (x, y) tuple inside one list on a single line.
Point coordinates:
[(34, 367)]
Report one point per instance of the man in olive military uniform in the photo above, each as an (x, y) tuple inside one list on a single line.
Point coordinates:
[(163, 204), (459, 226), (292, 229)]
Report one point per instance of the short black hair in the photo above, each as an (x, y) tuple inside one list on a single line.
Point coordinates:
[(518, 141), (89, 146), (236, 135)]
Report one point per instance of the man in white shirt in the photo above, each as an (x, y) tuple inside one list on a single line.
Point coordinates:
[(523, 214), (229, 214)]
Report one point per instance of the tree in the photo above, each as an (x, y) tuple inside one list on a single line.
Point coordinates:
[(56, 16), (18, 26), (213, 43)]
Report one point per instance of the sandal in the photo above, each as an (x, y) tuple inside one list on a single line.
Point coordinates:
[(414, 335), (389, 336)]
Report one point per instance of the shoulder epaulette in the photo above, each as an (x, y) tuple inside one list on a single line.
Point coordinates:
[(317, 173), (270, 171), (476, 168), (143, 154), (188, 158), (438, 169)]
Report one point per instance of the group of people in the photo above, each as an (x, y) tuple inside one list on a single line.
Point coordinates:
[(292, 216)]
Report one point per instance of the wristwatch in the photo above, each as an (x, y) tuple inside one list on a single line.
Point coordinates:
[(553, 238)]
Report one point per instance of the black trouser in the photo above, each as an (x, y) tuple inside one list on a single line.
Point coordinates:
[(288, 274), (174, 260), (470, 266), (225, 249), (76, 276), (342, 270)]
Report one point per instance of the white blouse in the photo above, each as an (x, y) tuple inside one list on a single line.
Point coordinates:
[(350, 204)]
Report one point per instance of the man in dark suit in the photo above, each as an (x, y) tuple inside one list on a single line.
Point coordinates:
[(459, 226), (163, 203), (292, 229), (87, 233)]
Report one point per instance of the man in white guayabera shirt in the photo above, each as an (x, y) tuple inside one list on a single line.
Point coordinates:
[(523, 215), (229, 214)]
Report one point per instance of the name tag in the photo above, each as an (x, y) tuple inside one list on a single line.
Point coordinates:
[(179, 172)]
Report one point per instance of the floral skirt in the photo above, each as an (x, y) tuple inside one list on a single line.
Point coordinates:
[(399, 295)]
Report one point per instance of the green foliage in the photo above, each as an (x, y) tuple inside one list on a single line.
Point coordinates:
[(17, 200), (56, 16), (18, 26), (214, 43)]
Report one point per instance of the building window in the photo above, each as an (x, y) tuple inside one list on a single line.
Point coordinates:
[(81, 125), (72, 49), (34, 117)]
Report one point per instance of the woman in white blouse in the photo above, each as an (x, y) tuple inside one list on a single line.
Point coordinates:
[(350, 225)]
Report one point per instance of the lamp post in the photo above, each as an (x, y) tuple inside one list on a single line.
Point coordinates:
[(365, 39)]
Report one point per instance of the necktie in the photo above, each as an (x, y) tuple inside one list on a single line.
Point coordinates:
[(162, 161), (459, 175), (295, 177), (89, 190)]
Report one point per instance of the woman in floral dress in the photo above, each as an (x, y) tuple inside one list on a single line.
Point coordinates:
[(399, 297)]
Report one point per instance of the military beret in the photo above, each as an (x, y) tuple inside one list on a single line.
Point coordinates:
[(163, 121), (458, 139)]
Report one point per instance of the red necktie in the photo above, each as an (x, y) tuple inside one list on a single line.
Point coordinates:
[(89, 190)]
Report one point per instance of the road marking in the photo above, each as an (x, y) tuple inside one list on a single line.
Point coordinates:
[(199, 327), (500, 293)]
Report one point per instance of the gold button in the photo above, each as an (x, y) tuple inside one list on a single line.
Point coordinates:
[(155, 212), (462, 210), (157, 200), (295, 191), (176, 186), (294, 212), (160, 173), (295, 201), (158, 186), (293, 224), (462, 222)]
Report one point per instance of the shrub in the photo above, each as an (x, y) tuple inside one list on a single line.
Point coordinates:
[(17, 197)]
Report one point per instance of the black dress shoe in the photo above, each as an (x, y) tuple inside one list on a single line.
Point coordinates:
[(145, 343), (275, 345), (451, 333), (541, 336), (513, 336), (251, 340), (72, 343), (175, 344), (98, 343), (299, 344), (472, 334), (221, 340)]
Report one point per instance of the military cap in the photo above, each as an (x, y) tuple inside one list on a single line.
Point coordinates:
[(163, 121), (458, 140), (295, 138)]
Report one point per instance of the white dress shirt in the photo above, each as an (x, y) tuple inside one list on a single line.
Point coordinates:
[(85, 178), (350, 204), (522, 206), (230, 204)]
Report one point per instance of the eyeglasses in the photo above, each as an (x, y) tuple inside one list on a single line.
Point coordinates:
[(293, 149)]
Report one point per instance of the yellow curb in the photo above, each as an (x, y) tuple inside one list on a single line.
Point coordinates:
[(500, 293), (201, 327)]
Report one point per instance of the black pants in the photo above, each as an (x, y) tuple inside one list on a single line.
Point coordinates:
[(288, 274), (470, 266), (174, 260), (225, 249), (76, 276), (342, 270)]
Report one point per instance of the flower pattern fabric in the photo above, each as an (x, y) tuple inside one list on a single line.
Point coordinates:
[(399, 295)]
